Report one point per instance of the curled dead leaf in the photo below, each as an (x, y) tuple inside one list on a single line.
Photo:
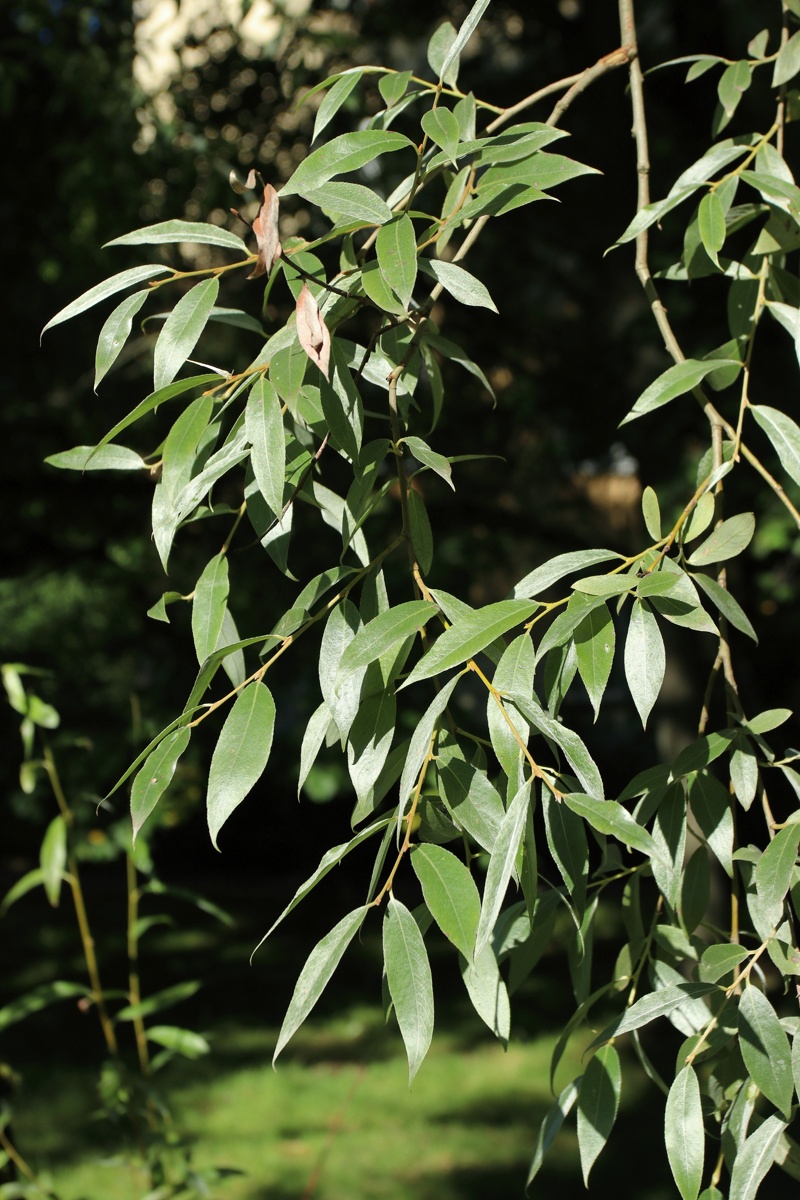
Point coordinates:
[(265, 227), (312, 332), (239, 187)]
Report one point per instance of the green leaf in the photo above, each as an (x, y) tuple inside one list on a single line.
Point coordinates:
[(441, 127), (782, 431), (776, 866), (675, 381), (26, 883), (450, 894), (566, 838), (733, 83), (341, 403), (461, 285), (199, 232), (420, 744), (396, 248), (408, 974), (438, 49), (773, 718), (341, 696), (567, 740), (719, 961), (342, 154), (550, 1127), (351, 201), (159, 1001), (755, 1158), (502, 864), (469, 635), (464, 34), (514, 673), (473, 801), (728, 539), (392, 87), (651, 513), (684, 1134), (383, 633), (208, 606), (598, 1102), (181, 331), (38, 998), (240, 755), (611, 819), (437, 462), (101, 291), (606, 585), (595, 639), (333, 101), (155, 776), (487, 991), (181, 1041), (645, 659), (711, 219), (264, 424), (765, 1048), (727, 605), (787, 64), (98, 458), (711, 809), (114, 334), (155, 399), (53, 858), (319, 967), (421, 533), (540, 579), (653, 213), (654, 1005)]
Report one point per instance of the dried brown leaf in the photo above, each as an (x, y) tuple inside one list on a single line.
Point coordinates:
[(239, 187), (265, 227), (312, 332)]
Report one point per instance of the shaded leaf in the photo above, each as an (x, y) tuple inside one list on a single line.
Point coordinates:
[(396, 248), (487, 991), (566, 837), (240, 755), (598, 1102), (53, 858), (727, 605), (550, 1127), (181, 331), (675, 381), (441, 127), (37, 998), (765, 1048), (312, 332), (155, 776), (461, 285), (450, 894), (185, 1042)]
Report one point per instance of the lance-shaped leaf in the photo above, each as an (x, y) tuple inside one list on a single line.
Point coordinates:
[(312, 332), (450, 894), (727, 605), (514, 673), (240, 755), (557, 568), (461, 285), (437, 462), (755, 1158), (320, 965), (408, 975), (114, 334), (342, 154), (36, 999), (488, 992), (396, 248), (550, 1127), (595, 639), (566, 837), (265, 227), (676, 381), (728, 539), (180, 1041), (264, 424), (155, 776), (97, 458), (464, 34), (199, 232), (469, 635), (775, 868), (53, 858), (645, 659), (598, 1102), (383, 633), (208, 606), (567, 740), (611, 819), (654, 1005), (181, 331), (684, 1134), (765, 1048), (350, 201), (109, 287), (441, 127), (711, 221), (420, 744), (333, 100), (501, 864), (784, 434)]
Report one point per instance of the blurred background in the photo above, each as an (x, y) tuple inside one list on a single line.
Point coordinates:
[(116, 116)]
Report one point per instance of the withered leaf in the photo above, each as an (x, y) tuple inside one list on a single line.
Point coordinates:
[(312, 332), (265, 227), (239, 187)]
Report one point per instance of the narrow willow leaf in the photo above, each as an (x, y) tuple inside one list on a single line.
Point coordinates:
[(469, 635), (744, 770), (370, 741), (159, 1001), (37, 998), (408, 974), (684, 1134), (437, 462), (645, 659), (775, 868), (711, 220), (461, 285), (611, 819), (341, 404), (675, 381), (669, 835), (606, 585), (787, 64), (396, 248), (208, 606), (566, 837), (181, 331), (115, 333), (719, 961), (185, 1042), (384, 633), (473, 802), (109, 287), (352, 201), (550, 1127), (342, 154), (567, 740), (320, 965), (651, 513), (454, 352), (784, 434), (155, 399), (654, 1005), (728, 539), (98, 458), (392, 87), (155, 776), (198, 232), (598, 1102), (438, 48), (264, 424), (727, 605), (378, 290), (501, 864), (465, 32), (514, 673), (755, 1159), (53, 858), (240, 755), (595, 639), (488, 992), (450, 894), (441, 127), (765, 1048), (333, 101), (313, 738)]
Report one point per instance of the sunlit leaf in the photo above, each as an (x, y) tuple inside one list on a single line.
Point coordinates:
[(155, 776), (240, 755), (409, 977), (501, 864), (684, 1133), (341, 155), (109, 287), (675, 381), (765, 1048), (450, 894), (181, 331), (114, 334)]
